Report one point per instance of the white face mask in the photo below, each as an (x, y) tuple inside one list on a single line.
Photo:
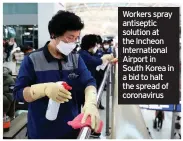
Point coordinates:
[(19, 56), (94, 50), (10, 43), (98, 45), (65, 48), (106, 46)]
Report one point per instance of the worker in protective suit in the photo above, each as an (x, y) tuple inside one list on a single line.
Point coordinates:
[(38, 76), (8, 102)]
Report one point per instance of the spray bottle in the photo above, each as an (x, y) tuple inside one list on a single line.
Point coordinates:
[(53, 106)]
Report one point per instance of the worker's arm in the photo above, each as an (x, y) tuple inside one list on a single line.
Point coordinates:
[(86, 78), (27, 90), (27, 95), (90, 106), (107, 58), (96, 61), (25, 79), (91, 60)]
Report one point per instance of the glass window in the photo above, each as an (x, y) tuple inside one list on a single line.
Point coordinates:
[(25, 34)]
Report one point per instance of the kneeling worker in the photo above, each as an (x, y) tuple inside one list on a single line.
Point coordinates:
[(40, 71)]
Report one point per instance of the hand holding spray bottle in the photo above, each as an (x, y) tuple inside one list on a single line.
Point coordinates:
[(53, 106)]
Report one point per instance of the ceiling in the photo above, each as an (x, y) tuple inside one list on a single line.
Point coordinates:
[(102, 18)]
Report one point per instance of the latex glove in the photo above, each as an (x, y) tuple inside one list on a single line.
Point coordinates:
[(90, 108), (107, 57), (115, 60), (52, 90)]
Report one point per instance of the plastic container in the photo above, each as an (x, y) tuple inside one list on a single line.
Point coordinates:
[(6, 123), (53, 106)]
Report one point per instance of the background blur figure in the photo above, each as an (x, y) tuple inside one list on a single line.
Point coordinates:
[(17, 55), (110, 42), (9, 46), (106, 47), (177, 129), (111, 45), (10, 42), (88, 50), (7, 49), (8, 102), (99, 51), (99, 74), (160, 117), (4, 53), (178, 126), (17, 58), (26, 49)]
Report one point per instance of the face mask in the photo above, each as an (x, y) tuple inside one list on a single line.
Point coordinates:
[(10, 43), (19, 56), (65, 48), (94, 50), (106, 46)]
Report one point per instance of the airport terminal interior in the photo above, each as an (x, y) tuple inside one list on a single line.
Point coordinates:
[(25, 30)]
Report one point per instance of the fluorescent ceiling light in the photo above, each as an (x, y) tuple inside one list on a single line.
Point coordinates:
[(27, 33)]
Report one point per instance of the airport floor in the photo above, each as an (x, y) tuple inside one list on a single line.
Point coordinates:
[(165, 132)]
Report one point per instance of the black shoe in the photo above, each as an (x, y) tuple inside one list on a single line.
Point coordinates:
[(95, 135), (101, 107)]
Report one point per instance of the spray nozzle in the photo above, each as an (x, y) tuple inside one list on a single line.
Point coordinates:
[(66, 86)]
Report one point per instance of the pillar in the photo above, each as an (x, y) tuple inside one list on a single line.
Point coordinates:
[(45, 13)]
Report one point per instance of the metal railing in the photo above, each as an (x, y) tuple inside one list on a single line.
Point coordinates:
[(127, 120), (86, 131)]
